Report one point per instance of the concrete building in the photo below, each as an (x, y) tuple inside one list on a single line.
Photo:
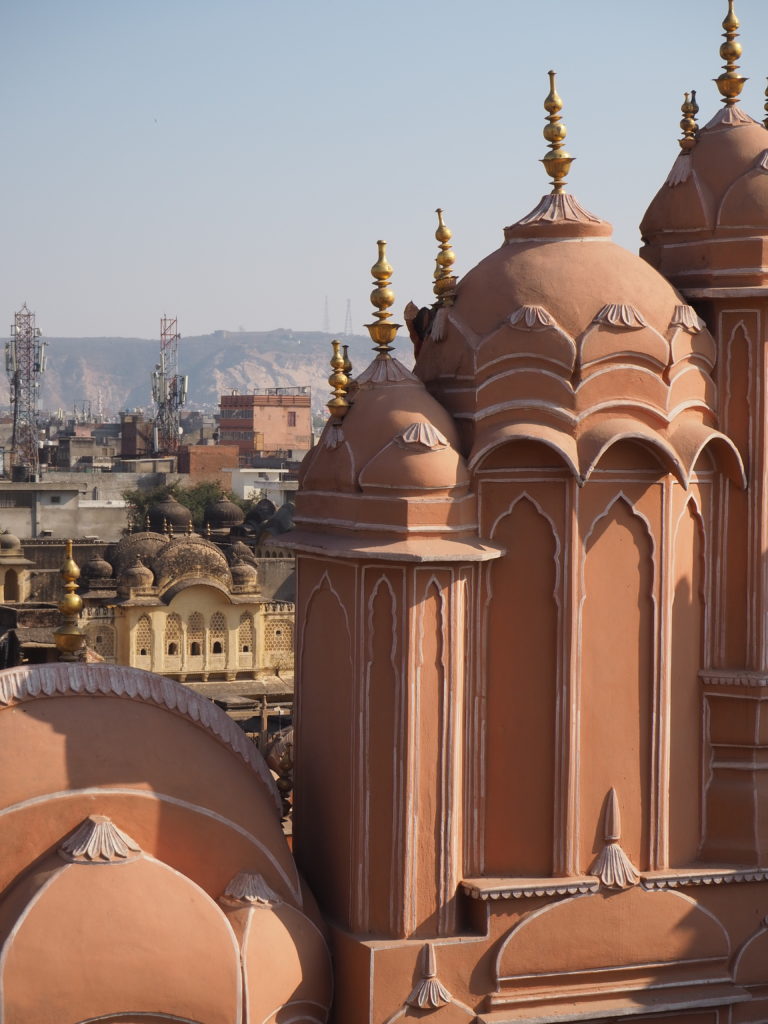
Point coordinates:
[(278, 420)]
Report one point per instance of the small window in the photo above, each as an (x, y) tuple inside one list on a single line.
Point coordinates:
[(291, 419), (55, 499), (173, 648), (194, 649), (143, 652), (245, 649), (217, 648)]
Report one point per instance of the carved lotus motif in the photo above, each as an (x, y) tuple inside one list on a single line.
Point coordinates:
[(97, 841), (250, 887)]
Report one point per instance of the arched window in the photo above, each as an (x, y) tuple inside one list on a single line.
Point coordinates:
[(245, 634), (11, 588), (218, 634), (101, 638), (195, 634), (172, 636), (143, 645)]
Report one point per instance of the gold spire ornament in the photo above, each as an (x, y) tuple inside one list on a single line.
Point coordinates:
[(765, 119), (445, 282), (730, 83), (557, 163), (347, 361), (690, 128), (339, 381), (69, 639), (383, 331)]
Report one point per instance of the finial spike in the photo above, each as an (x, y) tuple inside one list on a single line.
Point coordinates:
[(383, 331), (690, 109), (557, 163), (730, 83), (339, 381), (69, 639), (445, 282)]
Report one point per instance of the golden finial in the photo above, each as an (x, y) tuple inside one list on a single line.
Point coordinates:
[(383, 331), (765, 120), (730, 83), (690, 109), (347, 363), (208, 531), (557, 163), (68, 637), (445, 283), (147, 524), (339, 381), (189, 528)]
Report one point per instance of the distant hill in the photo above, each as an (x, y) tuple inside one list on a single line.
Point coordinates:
[(79, 368)]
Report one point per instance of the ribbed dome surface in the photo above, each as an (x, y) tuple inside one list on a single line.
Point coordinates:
[(563, 337), (720, 186)]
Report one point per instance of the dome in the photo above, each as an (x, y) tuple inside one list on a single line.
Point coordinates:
[(244, 575), (97, 568), (171, 512), (298, 984), (192, 557), (562, 337), (136, 576), (131, 937), (223, 514), (9, 545), (389, 402), (719, 186), (144, 545)]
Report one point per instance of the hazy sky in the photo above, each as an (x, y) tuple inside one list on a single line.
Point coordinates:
[(232, 162)]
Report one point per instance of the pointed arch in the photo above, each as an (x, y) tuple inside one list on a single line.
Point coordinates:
[(522, 619), (617, 649), (685, 700)]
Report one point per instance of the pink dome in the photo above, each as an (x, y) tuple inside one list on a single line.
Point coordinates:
[(130, 936)]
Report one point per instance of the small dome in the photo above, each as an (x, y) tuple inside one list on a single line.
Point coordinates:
[(270, 931), (133, 938), (223, 514), (136, 576), (720, 186), (417, 460), (97, 568), (387, 401), (244, 575), (144, 545), (9, 542), (171, 512)]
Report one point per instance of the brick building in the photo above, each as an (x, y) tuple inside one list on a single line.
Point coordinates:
[(277, 420)]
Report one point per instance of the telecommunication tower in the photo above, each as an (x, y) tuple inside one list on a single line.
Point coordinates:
[(348, 319), (169, 390), (25, 364)]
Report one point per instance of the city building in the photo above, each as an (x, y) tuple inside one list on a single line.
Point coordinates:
[(278, 420)]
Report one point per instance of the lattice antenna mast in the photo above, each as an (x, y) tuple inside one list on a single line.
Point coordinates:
[(169, 389), (348, 319), (25, 364)]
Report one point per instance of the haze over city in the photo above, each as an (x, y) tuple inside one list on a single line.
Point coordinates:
[(234, 163)]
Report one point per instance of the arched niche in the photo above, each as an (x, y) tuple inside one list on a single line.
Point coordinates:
[(522, 644), (617, 644), (11, 590), (685, 700), (323, 758)]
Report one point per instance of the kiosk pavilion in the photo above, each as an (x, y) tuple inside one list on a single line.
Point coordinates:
[(531, 669)]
